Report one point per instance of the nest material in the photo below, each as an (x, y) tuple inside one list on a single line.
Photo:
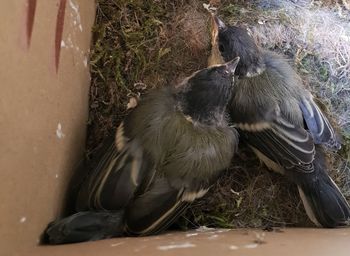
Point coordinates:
[(139, 45)]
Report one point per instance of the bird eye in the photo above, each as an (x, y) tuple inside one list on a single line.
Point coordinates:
[(221, 48)]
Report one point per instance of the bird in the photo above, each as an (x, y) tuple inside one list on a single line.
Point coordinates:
[(277, 117), (167, 152)]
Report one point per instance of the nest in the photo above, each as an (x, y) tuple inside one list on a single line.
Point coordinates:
[(139, 45)]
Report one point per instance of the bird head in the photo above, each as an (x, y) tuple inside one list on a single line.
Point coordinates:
[(205, 94), (232, 41)]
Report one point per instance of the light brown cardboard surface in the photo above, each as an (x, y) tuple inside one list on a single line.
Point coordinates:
[(43, 112), (290, 242)]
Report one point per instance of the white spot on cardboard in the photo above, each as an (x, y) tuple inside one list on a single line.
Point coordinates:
[(75, 8), (139, 249), (85, 61), (23, 219), (175, 246), (63, 44), (56, 175), (191, 234), (223, 230), (117, 244), (70, 42), (59, 132), (204, 229), (213, 237), (233, 247), (251, 246)]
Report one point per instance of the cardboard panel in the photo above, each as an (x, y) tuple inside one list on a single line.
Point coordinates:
[(44, 46), (283, 242)]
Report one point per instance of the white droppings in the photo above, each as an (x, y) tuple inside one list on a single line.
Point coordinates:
[(23, 219), (56, 175), (85, 61), (223, 230), (117, 244), (213, 237), (59, 131), (70, 42), (209, 8), (260, 237), (132, 103), (75, 8), (191, 234), (251, 246), (233, 247), (139, 249), (63, 44), (175, 246), (204, 229)]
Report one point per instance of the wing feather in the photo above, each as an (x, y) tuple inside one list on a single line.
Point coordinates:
[(318, 125), (290, 146)]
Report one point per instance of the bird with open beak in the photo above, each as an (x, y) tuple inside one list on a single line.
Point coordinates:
[(165, 154), (277, 117)]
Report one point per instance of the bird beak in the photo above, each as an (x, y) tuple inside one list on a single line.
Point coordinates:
[(214, 30), (215, 57), (219, 23), (216, 26), (232, 65)]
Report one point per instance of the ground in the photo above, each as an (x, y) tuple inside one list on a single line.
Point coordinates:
[(139, 45)]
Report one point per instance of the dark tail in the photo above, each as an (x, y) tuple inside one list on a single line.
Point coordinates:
[(85, 226), (322, 199)]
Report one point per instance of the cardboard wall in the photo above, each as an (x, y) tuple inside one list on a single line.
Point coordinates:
[(44, 85)]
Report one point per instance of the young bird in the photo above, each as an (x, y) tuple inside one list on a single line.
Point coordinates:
[(278, 118), (166, 153)]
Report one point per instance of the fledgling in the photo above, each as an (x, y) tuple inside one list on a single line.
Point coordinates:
[(166, 153), (278, 118)]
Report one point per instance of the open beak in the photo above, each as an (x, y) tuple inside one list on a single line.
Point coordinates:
[(214, 29), (216, 25)]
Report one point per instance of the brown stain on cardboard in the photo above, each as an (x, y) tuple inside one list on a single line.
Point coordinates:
[(59, 31), (31, 7)]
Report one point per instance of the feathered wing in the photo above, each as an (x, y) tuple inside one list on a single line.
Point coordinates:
[(154, 210), (290, 150), (317, 124), (117, 174), (110, 184), (280, 141)]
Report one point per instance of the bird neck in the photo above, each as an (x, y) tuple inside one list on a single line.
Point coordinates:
[(250, 65), (205, 117), (198, 112)]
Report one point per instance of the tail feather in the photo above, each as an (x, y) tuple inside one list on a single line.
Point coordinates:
[(323, 202), (85, 226)]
